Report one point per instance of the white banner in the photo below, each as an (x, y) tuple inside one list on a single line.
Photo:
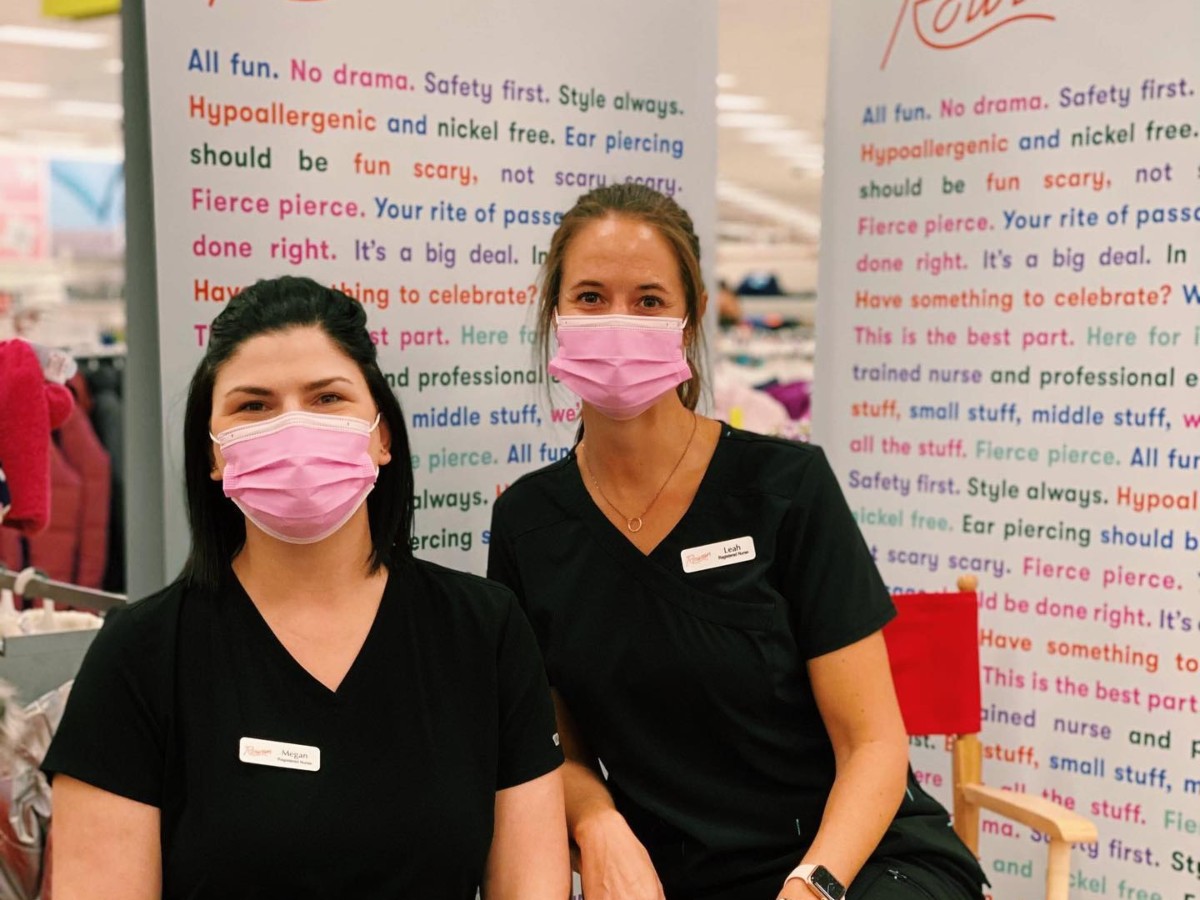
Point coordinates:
[(1009, 386), (415, 156)]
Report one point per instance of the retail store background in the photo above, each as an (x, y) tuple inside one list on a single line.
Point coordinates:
[(61, 113)]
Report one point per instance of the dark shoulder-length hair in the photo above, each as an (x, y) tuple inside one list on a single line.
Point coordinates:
[(218, 527)]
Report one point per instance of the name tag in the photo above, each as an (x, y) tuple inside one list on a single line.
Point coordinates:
[(259, 752), (722, 553)]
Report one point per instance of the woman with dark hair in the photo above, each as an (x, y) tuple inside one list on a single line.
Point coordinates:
[(709, 613), (308, 711)]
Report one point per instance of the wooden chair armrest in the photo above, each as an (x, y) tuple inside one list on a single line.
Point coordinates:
[(1038, 813)]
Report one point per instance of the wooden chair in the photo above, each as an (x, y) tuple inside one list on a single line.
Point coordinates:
[(933, 644)]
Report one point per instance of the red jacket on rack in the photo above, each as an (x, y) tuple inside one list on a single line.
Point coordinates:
[(55, 549), (87, 456), (29, 408)]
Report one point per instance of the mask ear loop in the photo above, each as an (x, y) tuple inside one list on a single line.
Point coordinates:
[(374, 425)]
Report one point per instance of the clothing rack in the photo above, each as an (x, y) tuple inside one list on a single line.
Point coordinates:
[(41, 662), (59, 591), (114, 353)]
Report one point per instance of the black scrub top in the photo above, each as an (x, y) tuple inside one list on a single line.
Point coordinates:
[(692, 687), (446, 704)]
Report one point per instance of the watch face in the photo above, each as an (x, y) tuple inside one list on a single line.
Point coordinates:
[(827, 884)]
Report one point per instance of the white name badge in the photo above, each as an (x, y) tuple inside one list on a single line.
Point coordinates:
[(259, 752), (722, 553)]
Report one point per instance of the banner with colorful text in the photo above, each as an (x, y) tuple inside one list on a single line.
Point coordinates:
[(1009, 369), (417, 157)]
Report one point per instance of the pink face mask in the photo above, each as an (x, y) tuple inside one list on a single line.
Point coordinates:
[(621, 365), (299, 476)]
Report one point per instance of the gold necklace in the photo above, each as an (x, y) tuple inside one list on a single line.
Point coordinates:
[(634, 523)]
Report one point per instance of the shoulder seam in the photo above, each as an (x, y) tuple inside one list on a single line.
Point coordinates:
[(528, 481), (544, 470), (459, 575), (755, 438), (171, 595), (806, 451), (514, 533)]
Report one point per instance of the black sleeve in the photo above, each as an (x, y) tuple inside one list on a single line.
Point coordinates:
[(833, 587), (529, 745), (112, 734), (501, 563)]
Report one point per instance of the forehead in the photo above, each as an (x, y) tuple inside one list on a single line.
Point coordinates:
[(620, 244), (294, 354)]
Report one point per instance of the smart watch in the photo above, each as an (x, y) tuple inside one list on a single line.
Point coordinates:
[(820, 881)]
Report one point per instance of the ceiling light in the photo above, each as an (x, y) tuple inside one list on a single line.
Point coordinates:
[(799, 150), (89, 109), (751, 120), (801, 220), (810, 165), (740, 103), (792, 136), (725, 81), (801, 155), (52, 37), (803, 160), (24, 90), (52, 138), (812, 169)]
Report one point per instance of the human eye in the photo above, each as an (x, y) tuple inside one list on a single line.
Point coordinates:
[(329, 397), (252, 406), (588, 298), (650, 301)]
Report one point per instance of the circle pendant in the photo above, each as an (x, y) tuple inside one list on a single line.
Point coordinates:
[(634, 524)]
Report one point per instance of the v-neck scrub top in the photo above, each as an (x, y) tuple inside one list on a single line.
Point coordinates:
[(446, 704), (691, 686)]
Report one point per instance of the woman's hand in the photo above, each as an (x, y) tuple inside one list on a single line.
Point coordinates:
[(615, 866)]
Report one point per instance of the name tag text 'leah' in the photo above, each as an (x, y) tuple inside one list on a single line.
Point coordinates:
[(722, 553)]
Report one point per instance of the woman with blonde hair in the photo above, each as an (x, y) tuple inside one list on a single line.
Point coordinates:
[(709, 613)]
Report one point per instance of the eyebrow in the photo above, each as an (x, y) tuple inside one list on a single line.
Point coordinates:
[(650, 286), (267, 392)]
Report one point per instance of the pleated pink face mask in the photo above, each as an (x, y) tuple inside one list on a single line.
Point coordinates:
[(299, 476), (621, 365)]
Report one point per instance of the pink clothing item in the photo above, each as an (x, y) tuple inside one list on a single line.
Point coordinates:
[(744, 407), (621, 365), (299, 476)]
